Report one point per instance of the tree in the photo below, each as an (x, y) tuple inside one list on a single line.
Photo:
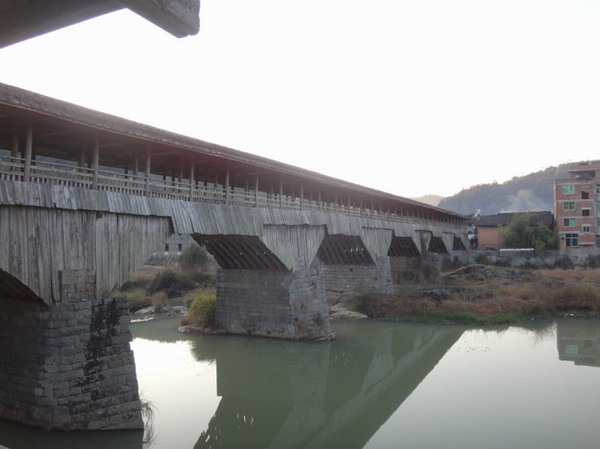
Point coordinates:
[(193, 257), (520, 234)]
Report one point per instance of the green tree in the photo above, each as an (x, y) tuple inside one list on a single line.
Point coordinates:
[(194, 257), (520, 234)]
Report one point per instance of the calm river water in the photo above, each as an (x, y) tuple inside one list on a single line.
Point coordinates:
[(379, 385)]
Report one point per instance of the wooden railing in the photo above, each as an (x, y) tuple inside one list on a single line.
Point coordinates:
[(14, 169)]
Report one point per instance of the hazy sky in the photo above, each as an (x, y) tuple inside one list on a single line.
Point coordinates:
[(410, 97)]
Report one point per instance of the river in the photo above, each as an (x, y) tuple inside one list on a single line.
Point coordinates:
[(379, 385)]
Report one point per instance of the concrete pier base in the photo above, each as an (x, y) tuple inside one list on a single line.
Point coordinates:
[(68, 366)]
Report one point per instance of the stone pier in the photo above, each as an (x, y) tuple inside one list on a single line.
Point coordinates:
[(268, 285), (69, 367)]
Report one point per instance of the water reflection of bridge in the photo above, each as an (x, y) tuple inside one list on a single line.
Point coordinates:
[(333, 395)]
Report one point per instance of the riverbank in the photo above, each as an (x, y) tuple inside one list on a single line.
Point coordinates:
[(481, 294)]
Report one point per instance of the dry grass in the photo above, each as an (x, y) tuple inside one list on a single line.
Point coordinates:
[(137, 299), (574, 294), (569, 275), (159, 301)]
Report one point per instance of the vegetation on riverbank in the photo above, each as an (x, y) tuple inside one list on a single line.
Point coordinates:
[(158, 285), (201, 311), (540, 294)]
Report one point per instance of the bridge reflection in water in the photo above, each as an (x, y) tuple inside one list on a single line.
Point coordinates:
[(281, 395)]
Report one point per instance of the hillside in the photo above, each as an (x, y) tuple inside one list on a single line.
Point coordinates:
[(432, 200), (533, 192)]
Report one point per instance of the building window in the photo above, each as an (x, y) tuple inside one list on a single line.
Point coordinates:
[(571, 240), (585, 212), (179, 247), (585, 195), (569, 205), (587, 228), (569, 222), (597, 189), (568, 189)]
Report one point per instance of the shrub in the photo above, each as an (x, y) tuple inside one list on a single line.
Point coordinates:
[(162, 260), (529, 265), (130, 285), (137, 299), (536, 309), (369, 303), (172, 283), (482, 259), (194, 257), (201, 312), (159, 301), (592, 261), (576, 297)]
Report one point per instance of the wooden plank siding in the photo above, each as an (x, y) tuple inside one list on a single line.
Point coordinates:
[(41, 247), (207, 218)]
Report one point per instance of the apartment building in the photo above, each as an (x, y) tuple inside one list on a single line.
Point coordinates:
[(577, 206)]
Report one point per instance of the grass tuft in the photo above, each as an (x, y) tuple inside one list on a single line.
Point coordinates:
[(201, 311)]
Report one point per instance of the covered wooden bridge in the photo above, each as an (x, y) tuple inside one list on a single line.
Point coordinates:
[(86, 197)]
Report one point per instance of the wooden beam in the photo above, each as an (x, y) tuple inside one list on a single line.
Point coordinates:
[(178, 17), (24, 20)]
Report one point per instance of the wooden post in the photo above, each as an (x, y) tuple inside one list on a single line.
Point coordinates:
[(227, 185), (136, 169), (192, 181), (256, 191), (95, 160), (280, 192), (147, 172), (319, 198), (14, 146), (81, 161), (28, 151), (301, 197)]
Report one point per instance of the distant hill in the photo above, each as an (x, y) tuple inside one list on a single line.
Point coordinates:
[(533, 192), (432, 200)]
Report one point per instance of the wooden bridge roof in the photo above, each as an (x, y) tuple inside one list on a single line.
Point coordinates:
[(24, 19), (62, 129)]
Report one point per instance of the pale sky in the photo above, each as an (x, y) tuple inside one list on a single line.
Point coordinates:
[(406, 96)]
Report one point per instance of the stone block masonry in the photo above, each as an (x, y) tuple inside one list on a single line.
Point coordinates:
[(359, 278), (69, 366), (280, 304)]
